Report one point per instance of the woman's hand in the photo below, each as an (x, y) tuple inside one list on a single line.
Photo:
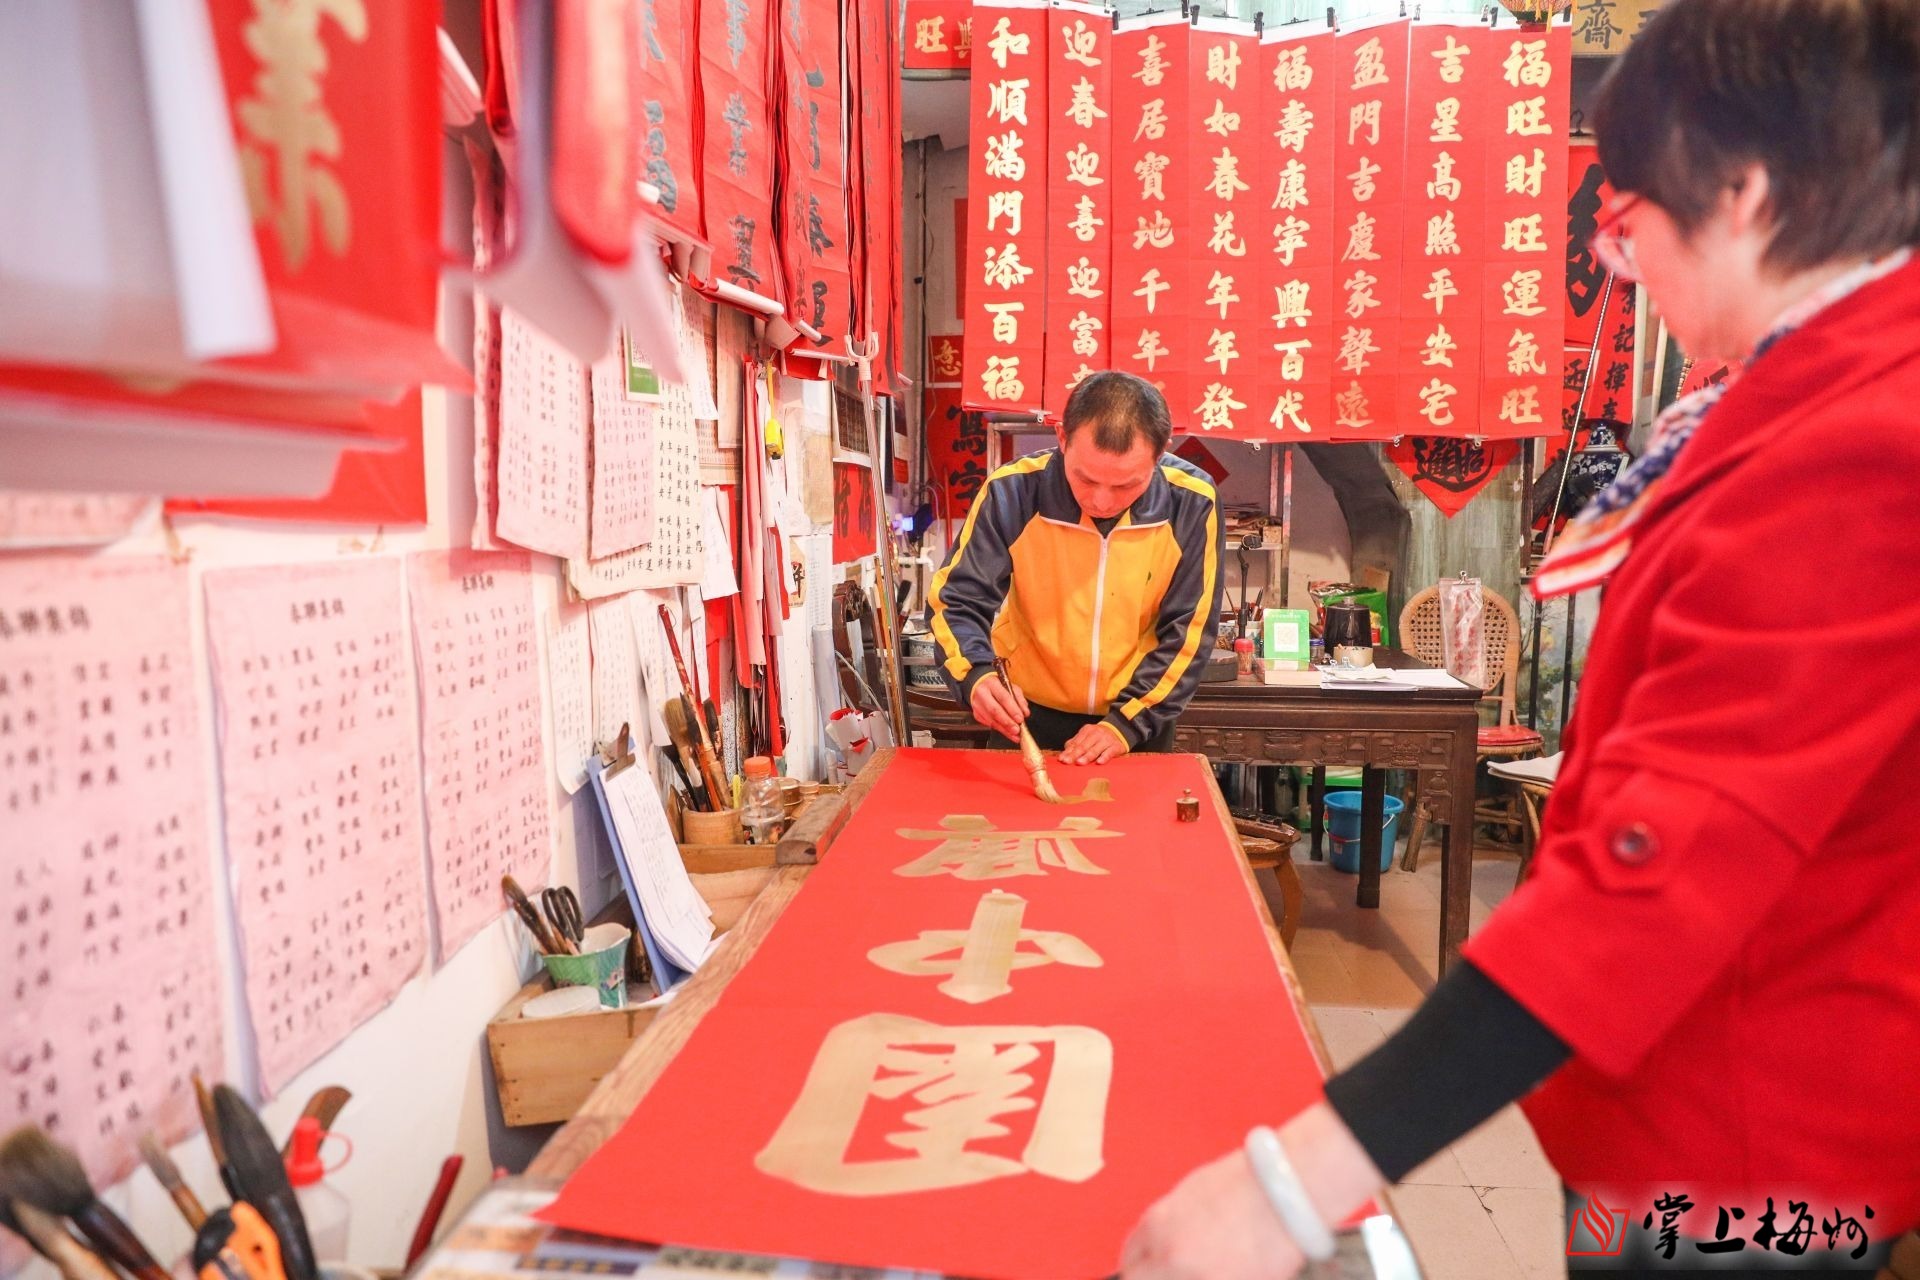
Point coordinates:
[(1216, 1225)]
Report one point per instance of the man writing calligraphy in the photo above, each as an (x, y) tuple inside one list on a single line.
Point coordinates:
[(1093, 568)]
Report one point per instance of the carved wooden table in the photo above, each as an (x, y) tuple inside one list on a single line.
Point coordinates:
[(1430, 730)]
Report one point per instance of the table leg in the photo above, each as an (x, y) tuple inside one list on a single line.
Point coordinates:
[(1292, 899), (1317, 809), (1373, 793), (1456, 866)]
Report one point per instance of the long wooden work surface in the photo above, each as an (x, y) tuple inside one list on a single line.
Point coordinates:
[(1379, 1250)]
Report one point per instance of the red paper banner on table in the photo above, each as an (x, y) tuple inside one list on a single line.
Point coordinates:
[(1154, 176), (668, 110), (1223, 131), (1080, 187), (1451, 470), (1007, 195), (838, 1104), (945, 359), (1526, 174), (1370, 114), (812, 181), (853, 531), (1297, 245), (349, 231), (737, 158), (939, 36), (1449, 77), (956, 451)]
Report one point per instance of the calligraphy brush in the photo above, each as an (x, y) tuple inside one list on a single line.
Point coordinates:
[(257, 1176), (702, 741), (168, 1175), (679, 727), (324, 1106), (1030, 754), (43, 1231), (36, 1170), (543, 937), (686, 787)]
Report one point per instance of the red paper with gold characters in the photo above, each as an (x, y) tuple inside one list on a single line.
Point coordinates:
[(667, 109), (1295, 248), (737, 156), (336, 114), (1080, 186), (1223, 139), (1438, 358), (1154, 174), (1370, 113), (812, 169), (981, 1040), (1526, 246), (1007, 199), (939, 36)]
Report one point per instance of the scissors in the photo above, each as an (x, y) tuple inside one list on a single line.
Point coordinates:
[(563, 908)]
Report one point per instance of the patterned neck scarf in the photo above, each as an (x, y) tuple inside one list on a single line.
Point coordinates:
[(1596, 541)]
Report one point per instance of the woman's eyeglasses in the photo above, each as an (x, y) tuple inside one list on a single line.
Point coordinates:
[(1613, 249)]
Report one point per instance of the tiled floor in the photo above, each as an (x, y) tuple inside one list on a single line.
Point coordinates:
[(1488, 1207)]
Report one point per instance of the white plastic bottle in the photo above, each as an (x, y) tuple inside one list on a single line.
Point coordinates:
[(326, 1209)]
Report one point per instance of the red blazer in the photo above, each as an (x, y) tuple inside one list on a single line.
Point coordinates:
[(1724, 917)]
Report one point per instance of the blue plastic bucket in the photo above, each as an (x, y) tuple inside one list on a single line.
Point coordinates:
[(1343, 825)]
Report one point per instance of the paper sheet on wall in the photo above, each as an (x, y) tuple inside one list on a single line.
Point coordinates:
[(677, 915), (486, 423), (321, 790), (672, 558), (696, 318), (570, 694), (818, 550), (623, 481), (543, 430), (113, 991), (487, 796), (616, 670), (72, 519), (657, 673), (717, 580)]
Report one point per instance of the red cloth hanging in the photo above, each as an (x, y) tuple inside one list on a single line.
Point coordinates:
[(669, 133), (812, 172)]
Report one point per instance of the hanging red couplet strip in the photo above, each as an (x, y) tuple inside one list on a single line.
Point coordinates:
[(1222, 125), (939, 36), (956, 451), (1451, 470), (1526, 182), (945, 361), (1297, 246), (596, 117), (1080, 186), (665, 93), (1438, 358), (1152, 318), (1370, 114), (349, 232), (1592, 309), (1007, 194), (737, 155), (813, 170)]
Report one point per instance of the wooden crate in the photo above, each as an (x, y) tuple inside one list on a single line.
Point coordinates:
[(544, 1069)]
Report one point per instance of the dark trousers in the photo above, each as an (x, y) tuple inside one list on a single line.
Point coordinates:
[(1052, 729)]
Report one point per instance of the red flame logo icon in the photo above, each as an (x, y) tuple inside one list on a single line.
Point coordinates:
[(1597, 1231)]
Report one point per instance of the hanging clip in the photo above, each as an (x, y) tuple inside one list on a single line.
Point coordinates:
[(617, 756)]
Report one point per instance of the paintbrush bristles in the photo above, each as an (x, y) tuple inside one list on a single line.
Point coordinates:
[(1036, 763), (38, 1170), (43, 1231)]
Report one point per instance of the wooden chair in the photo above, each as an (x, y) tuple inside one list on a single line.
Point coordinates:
[(1504, 739)]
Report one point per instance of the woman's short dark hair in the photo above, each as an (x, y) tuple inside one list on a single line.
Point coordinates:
[(1120, 408), (1825, 94)]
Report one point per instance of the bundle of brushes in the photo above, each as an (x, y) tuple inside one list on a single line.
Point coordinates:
[(40, 1180)]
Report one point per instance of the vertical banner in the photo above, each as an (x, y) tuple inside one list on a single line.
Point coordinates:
[(1370, 114), (737, 158), (1295, 251), (1080, 185), (1007, 194), (939, 36), (1223, 137), (1438, 360), (1153, 178), (812, 183), (667, 111), (1525, 226)]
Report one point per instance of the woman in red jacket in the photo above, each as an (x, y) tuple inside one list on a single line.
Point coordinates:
[(1708, 993)]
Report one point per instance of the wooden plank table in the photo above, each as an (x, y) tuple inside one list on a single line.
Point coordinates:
[(1379, 1251)]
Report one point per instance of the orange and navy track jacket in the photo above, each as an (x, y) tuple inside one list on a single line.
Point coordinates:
[(1117, 626)]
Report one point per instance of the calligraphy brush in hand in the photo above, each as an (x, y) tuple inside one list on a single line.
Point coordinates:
[(1030, 754), (36, 1170)]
